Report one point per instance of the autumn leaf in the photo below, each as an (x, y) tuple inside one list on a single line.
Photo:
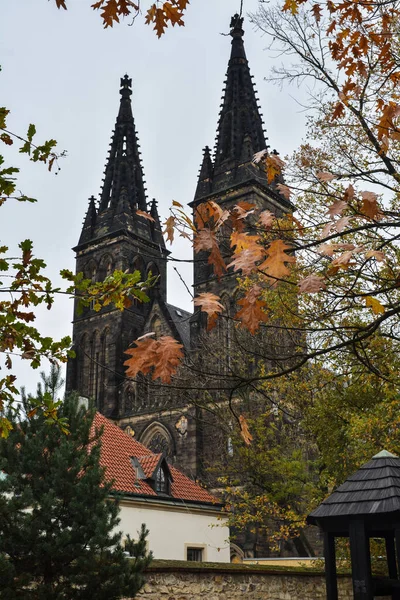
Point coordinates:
[(252, 314), (284, 190), (338, 111), (206, 240), (244, 431), (329, 249), (377, 254), (246, 259), (258, 156), (343, 260), (369, 206), (325, 176), (274, 166), (210, 304), (317, 12), (162, 357), (170, 228), (266, 218), (311, 284), (274, 266), (340, 224), (173, 14), (207, 214), (375, 305), (145, 215), (337, 208), (294, 221)]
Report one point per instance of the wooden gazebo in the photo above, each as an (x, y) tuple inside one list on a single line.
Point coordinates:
[(366, 505)]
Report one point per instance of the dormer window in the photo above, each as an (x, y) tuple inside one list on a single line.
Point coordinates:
[(162, 482)]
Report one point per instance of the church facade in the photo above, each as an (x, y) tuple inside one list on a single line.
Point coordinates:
[(115, 236)]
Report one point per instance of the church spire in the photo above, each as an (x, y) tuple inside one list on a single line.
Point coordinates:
[(240, 128), (124, 182), (90, 221), (205, 175)]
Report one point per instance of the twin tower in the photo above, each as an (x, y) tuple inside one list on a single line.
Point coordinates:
[(114, 236)]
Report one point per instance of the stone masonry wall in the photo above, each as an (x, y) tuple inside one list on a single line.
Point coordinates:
[(226, 582)]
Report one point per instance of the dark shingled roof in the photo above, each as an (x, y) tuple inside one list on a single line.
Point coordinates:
[(373, 490), (181, 320)]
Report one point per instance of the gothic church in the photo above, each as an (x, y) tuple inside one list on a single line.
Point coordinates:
[(114, 236)]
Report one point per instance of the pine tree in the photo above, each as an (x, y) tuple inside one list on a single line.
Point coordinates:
[(58, 523)]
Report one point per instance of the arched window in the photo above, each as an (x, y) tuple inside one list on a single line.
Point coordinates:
[(106, 266), (137, 264), (90, 271), (158, 439), (155, 272), (128, 402), (162, 482)]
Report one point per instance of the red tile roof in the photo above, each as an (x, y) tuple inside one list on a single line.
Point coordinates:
[(117, 450)]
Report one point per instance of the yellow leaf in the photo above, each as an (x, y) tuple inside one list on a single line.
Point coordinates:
[(375, 305)]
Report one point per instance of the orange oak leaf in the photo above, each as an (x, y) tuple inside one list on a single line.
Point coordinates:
[(340, 224), (248, 252), (274, 266), (343, 260), (349, 193), (266, 218), (206, 240), (338, 111), (325, 176), (336, 208), (252, 314), (292, 219), (170, 224), (317, 12), (145, 215), (327, 230), (329, 249), (258, 156), (210, 304), (244, 431), (377, 254), (284, 190), (311, 284), (370, 207), (274, 166), (161, 357), (243, 240), (208, 214), (246, 259)]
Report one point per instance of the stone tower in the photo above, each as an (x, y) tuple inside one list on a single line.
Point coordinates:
[(230, 176), (113, 237)]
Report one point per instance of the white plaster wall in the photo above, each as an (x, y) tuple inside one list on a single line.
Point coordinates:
[(172, 529)]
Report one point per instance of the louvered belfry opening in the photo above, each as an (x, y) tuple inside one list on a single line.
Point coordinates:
[(365, 506)]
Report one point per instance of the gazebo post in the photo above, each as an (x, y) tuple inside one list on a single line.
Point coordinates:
[(391, 556), (330, 566), (397, 543), (360, 560)]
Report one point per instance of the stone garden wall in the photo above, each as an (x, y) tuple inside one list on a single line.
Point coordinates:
[(176, 580)]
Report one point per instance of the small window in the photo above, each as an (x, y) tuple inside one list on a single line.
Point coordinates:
[(195, 554), (162, 482)]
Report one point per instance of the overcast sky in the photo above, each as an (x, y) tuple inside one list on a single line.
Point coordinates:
[(61, 71)]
